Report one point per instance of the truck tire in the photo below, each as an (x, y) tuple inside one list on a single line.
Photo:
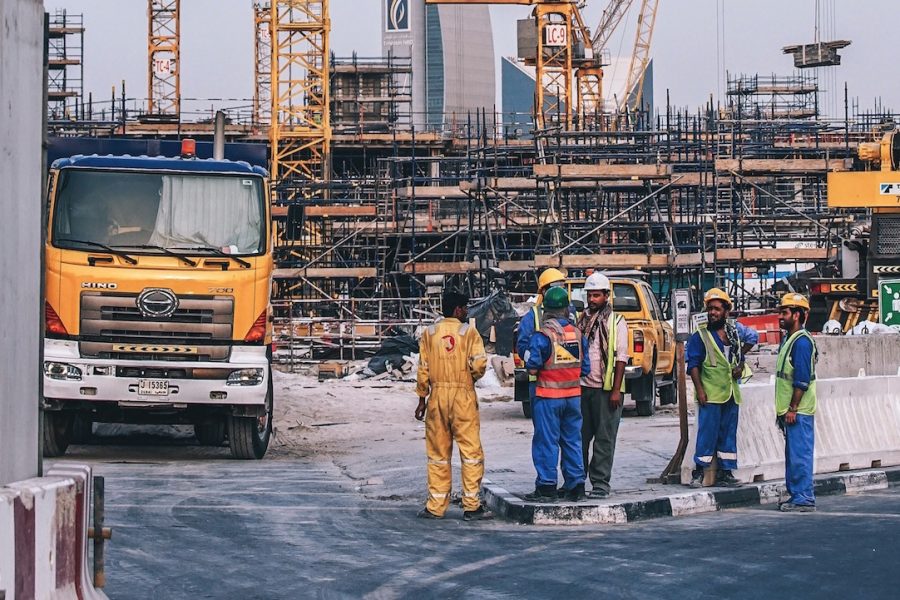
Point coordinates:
[(57, 434), (644, 395), (521, 395), (249, 436), (668, 394), (82, 429), (526, 408), (211, 433)]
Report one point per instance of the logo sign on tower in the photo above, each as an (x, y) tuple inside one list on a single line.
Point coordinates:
[(397, 15)]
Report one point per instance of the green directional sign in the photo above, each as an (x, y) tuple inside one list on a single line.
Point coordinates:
[(889, 301)]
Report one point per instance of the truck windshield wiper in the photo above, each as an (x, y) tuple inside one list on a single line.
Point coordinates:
[(124, 255), (218, 252), (166, 251)]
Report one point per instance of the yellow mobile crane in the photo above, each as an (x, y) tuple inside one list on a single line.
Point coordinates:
[(874, 184)]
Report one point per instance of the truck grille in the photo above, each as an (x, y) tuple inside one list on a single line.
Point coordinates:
[(888, 236), (112, 327)]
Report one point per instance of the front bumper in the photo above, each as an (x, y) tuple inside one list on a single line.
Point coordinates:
[(633, 372), (113, 387)]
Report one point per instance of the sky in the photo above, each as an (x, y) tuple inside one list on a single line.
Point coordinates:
[(695, 42)]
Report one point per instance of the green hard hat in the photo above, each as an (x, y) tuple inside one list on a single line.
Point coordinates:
[(556, 297)]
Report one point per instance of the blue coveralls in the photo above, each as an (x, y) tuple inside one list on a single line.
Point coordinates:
[(557, 422), (800, 438), (717, 423)]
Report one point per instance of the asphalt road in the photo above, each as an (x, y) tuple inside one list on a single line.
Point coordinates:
[(202, 526)]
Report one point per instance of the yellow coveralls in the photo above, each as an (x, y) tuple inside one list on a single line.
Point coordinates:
[(451, 360)]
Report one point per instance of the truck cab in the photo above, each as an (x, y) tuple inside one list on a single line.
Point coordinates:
[(157, 286)]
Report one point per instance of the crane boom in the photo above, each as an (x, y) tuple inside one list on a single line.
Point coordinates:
[(640, 58), (612, 16)]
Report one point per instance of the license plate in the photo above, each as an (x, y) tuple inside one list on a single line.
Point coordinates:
[(153, 387)]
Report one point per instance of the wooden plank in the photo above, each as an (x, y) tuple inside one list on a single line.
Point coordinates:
[(439, 268), (327, 273), (425, 192), (341, 211), (603, 171), (603, 261), (774, 254), (795, 165)]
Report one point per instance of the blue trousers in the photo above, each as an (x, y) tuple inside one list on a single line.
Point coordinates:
[(717, 435), (557, 429), (799, 452)]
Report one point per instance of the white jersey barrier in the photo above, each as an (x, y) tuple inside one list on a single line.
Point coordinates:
[(44, 537), (857, 425)]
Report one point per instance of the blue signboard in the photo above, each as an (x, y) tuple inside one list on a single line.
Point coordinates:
[(397, 15)]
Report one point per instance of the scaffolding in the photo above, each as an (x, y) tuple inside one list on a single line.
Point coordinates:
[(65, 64), (262, 65)]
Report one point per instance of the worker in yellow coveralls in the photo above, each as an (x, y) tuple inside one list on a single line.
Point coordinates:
[(451, 360)]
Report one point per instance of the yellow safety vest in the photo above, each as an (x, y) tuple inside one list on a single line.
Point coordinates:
[(784, 378), (715, 372)]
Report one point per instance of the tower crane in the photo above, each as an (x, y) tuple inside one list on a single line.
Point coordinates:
[(559, 27)]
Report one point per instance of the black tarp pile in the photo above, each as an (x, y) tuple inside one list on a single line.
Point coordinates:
[(495, 311), (392, 355)]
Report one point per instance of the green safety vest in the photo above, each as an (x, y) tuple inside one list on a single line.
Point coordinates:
[(715, 372), (784, 378)]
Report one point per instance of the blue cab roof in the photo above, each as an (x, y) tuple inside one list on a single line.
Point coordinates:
[(159, 163)]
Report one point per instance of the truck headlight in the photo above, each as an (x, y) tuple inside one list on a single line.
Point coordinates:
[(245, 377), (62, 371)]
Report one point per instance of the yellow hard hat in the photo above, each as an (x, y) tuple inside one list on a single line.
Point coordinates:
[(717, 294), (794, 300), (550, 276)]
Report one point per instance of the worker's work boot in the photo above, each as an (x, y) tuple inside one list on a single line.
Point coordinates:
[(427, 514), (576, 494), (726, 478), (791, 507), (696, 478), (479, 514), (543, 494), (598, 493)]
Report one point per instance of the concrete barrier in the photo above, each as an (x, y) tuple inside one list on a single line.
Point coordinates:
[(857, 427), (43, 537)]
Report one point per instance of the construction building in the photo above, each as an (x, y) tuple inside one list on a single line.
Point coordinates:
[(411, 182)]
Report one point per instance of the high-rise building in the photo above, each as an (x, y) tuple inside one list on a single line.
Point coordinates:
[(452, 52)]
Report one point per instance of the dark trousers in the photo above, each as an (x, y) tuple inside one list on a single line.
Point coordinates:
[(600, 426)]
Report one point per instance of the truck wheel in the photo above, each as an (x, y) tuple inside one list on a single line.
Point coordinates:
[(249, 436), (211, 433), (644, 395), (668, 394), (526, 408), (57, 433), (82, 429)]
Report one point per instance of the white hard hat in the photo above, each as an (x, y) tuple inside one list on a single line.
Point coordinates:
[(596, 282)]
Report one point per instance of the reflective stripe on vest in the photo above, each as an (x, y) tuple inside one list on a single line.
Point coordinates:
[(715, 372), (784, 378), (611, 353), (560, 377)]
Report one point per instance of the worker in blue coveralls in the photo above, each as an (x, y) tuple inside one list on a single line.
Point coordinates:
[(558, 357), (795, 403), (715, 362), (531, 321)]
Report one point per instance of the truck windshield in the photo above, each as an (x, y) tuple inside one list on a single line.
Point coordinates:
[(156, 212)]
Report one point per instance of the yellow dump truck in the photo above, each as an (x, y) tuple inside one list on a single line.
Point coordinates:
[(158, 279)]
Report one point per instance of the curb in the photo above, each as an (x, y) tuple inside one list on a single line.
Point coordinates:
[(511, 507)]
